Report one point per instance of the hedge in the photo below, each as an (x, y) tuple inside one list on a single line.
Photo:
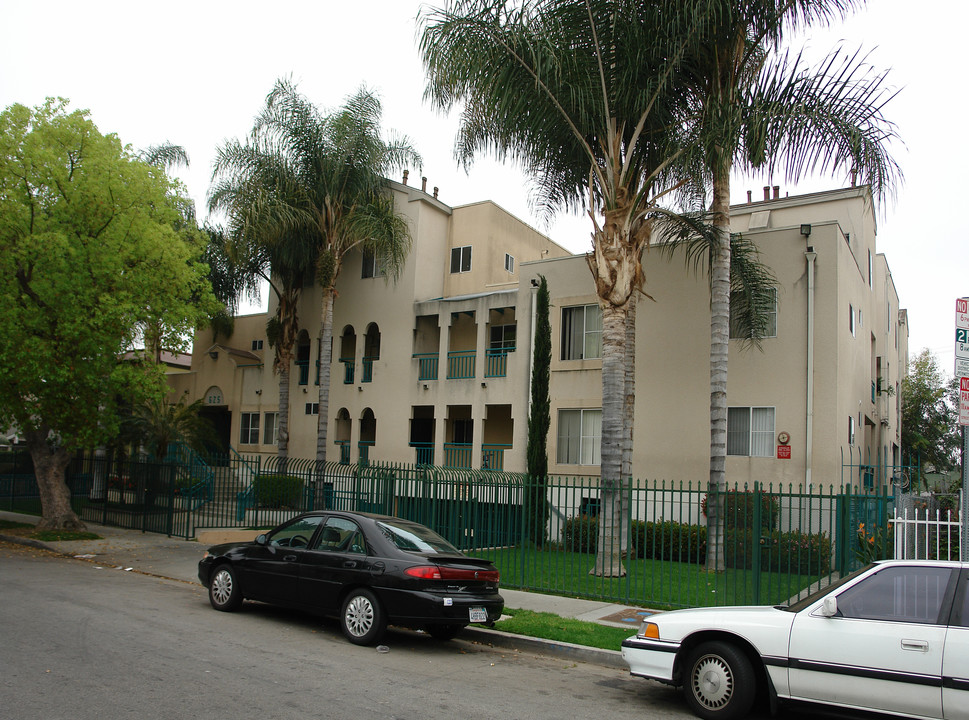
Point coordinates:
[(795, 552), (738, 509), (277, 491)]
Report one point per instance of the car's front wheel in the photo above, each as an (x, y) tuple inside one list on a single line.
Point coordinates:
[(362, 618), (719, 681), (224, 593)]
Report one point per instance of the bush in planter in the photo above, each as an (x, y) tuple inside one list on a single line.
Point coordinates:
[(581, 533), (738, 509), (277, 491)]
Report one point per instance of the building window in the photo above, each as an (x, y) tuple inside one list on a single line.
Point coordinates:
[(870, 271), (851, 319), (851, 430), (313, 408), (461, 259), (373, 267), (579, 437), (249, 434), (770, 320), (750, 431), (270, 433), (509, 263), (502, 337), (257, 344), (581, 332)]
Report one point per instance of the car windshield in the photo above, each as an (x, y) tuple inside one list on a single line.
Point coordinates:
[(416, 538), (821, 592)]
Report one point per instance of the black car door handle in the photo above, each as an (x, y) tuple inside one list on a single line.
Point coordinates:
[(349, 563), (290, 558)]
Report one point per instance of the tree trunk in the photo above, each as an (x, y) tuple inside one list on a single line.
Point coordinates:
[(326, 360), (629, 413), (719, 350), (50, 464), (611, 518), (282, 448)]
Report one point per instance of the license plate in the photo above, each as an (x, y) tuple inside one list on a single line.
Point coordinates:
[(478, 614)]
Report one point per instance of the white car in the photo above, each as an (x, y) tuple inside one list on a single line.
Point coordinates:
[(891, 638)]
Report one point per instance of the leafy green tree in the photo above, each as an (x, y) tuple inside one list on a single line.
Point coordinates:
[(539, 420), (585, 96), (930, 415), (338, 197), (89, 254), (755, 108)]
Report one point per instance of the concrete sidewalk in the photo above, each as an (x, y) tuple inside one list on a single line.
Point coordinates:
[(177, 559)]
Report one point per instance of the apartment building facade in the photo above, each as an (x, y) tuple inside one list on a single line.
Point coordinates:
[(435, 367)]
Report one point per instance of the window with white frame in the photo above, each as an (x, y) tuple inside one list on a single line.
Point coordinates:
[(270, 432), (249, 431), (373, 267), (502, 337), (581, 332), (509, 263), (461, 259), (257, 344), (851, 430), (770, 321), (579, 435), (750, 431)]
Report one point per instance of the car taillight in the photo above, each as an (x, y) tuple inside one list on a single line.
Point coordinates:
[(436, 572)]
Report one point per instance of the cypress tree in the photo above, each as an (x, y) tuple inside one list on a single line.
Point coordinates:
[(539, 420)]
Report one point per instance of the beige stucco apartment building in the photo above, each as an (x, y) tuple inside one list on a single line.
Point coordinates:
[(435, 367)]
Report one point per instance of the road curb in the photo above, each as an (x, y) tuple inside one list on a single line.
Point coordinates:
[(541, 646), (29, 541)]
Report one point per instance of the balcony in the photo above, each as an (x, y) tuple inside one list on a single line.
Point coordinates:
[(493, 456), (457, 456), (344, 446), (303, 369), (460, 365), (424, 453), (426, 365), (348, 368), (496, 362), (367, 374), (363, 448)]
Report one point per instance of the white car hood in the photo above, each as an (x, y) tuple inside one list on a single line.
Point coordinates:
[(766, 628)]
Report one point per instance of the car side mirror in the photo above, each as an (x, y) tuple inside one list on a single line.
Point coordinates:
[(261, 539), (829, 606)]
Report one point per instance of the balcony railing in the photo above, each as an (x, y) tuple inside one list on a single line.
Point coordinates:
[(496, 362), (344, 446), (304, 371), (424, 453), (493, 456), (348, 365), (457, 455), (426, 366), (363, 448), (460, 365), (367, 374)]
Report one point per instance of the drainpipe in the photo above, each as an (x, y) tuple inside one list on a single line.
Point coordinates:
[(810, 256)]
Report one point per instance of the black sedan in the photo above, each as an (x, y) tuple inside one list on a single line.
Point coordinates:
[(367, 570)]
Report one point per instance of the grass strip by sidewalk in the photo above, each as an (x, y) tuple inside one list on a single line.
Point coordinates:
[(554, 627), (48, 535)]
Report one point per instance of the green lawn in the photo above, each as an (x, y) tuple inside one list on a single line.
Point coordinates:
[(648, 583), (552, 627)]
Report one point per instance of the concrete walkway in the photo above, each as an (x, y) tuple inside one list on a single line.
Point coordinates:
[(177, 559)]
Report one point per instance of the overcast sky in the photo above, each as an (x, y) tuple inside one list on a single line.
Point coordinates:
[(196, 73)]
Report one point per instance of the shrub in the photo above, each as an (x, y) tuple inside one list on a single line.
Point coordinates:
[(581, 533), (277, 491), (794, 552), (738, 509), (669, 540)]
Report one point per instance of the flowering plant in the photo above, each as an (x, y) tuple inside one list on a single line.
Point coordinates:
[(877, 544)]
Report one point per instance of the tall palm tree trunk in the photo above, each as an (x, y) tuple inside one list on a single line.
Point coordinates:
[(629, 413), (326, 360), (719, 350), (282, 448), (608, 553)]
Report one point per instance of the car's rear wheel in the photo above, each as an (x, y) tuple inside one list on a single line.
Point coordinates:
[(362, 618), (445, 632), (224, 593), (719, 682)]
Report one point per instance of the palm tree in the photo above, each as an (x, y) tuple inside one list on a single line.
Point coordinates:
[(339, 199), (753, 109), (159, 424), (252, 184), (585, 95)]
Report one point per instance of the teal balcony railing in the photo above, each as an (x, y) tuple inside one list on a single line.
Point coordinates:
[(344, 446), (363, 448), (347, 370), (460, 365), (496, 362), (367, 374), (303, 367), (426, 366), (424, 453), (493, 456), (457, 455)]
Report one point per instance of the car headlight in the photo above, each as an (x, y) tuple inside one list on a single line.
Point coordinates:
[(649, 630)]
